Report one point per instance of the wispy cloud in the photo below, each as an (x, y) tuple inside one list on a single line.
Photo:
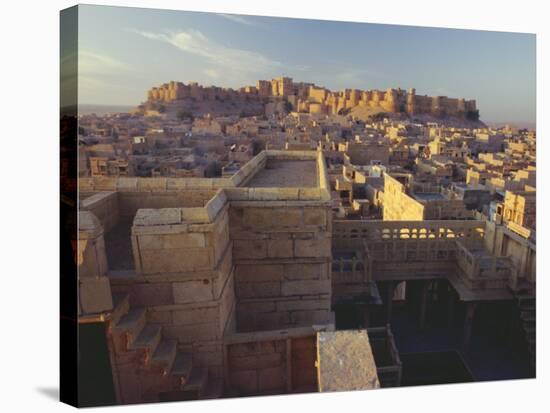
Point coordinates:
[(239, 19), (95, 63), (101, 75), (212, 73), (194, 42)]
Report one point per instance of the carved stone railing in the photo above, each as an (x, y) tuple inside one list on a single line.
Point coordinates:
[(398, 247), (481, 270), (352, 264), (405, 241), (392, 230)]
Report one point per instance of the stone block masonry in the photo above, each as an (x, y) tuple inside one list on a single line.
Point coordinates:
[(215, 258), (282, 265), (258, 367)]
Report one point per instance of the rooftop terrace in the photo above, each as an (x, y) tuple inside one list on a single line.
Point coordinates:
[(286, 174), (428, 196)]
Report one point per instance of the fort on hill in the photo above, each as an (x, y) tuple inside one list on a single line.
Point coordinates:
[(309, 98)]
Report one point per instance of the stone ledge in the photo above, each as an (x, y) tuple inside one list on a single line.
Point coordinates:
[(163, 216), (89, 226), (280, 334)]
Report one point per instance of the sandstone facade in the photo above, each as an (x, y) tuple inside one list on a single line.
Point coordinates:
[(305, 97)]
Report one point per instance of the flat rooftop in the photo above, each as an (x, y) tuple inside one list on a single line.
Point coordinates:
[(428, 196), (286, 173)]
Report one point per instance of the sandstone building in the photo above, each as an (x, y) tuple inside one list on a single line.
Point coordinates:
[(215, 287)]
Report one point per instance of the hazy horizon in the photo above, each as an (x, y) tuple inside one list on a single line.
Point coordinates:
[(137, 49)]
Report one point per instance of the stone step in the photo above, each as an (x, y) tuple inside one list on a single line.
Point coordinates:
[(524, 293), (165, 355), (527, 316), (131, 323), (197, 381), (214, 389), (148, 339), (121, 306), (530, 330), (525, 297), (527, 307), (182, 366), (121, 274)]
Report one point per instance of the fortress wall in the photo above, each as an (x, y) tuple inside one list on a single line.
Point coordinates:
[(317, 108), (423, 104), (470, 105), (317, 94), (316, 99)]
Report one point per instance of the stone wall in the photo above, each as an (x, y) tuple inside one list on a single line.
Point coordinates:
[(446, 209), (364, 153), (266, 365), (207, 250), (91, 258), (169, 241), (500, 241), (282, 265), (94, 292), (130, 202), (258, 367), (397, 205)]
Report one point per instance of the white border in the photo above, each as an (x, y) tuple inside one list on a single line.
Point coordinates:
[(29, 134)]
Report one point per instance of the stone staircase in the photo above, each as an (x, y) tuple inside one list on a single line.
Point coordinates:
[(526, 303), (150, 366)]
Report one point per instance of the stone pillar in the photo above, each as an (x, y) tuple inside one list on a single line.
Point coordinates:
[(410, 297), (423, 303), (523, 265), (365, 316), (451, 303), (92, 259), (508, 311), (442, 291), (390, 287), (468, 323)]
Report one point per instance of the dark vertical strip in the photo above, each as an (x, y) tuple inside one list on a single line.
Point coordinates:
[(68, 208)]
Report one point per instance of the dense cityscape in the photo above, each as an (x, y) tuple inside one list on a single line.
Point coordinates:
[(236, 241)]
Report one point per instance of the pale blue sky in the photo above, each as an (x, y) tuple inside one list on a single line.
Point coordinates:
[(125, 51)]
